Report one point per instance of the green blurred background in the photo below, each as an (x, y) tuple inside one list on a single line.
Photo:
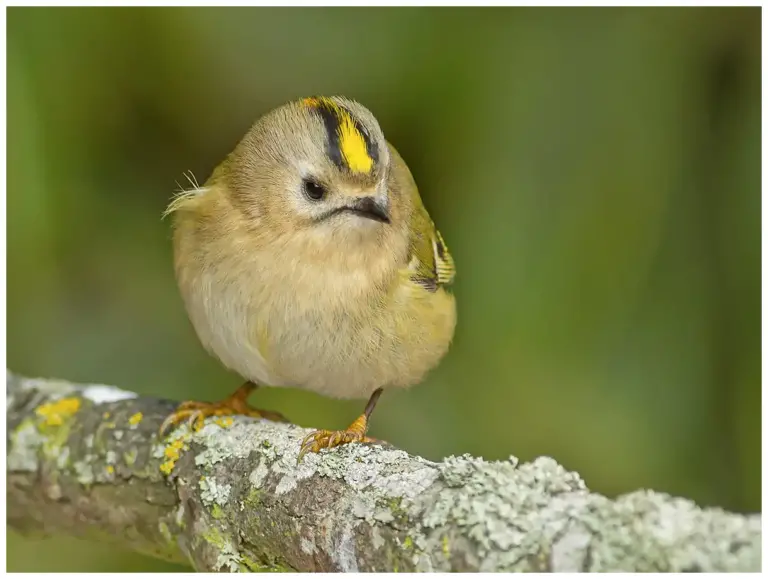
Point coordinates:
[(596, 173)]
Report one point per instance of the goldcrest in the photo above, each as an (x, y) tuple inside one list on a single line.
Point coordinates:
[(308, 260)]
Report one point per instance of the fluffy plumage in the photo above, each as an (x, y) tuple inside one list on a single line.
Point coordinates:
[(287, 290)]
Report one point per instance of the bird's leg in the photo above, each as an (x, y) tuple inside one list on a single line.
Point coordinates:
[(355, 432), (236, 403)]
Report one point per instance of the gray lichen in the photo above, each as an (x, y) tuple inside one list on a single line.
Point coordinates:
[(308, 546), (84, 471), (22, 452), (62, 459), (507, 510), (228, 557), (100, 394), (213, 492), (232, 497), (258, 475)]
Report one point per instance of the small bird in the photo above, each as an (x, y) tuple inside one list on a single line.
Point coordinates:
[(308, 260)]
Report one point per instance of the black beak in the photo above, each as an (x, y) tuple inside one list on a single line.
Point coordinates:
[(370, 208)]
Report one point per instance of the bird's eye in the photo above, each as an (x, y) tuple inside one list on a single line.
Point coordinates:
[(314, 190)]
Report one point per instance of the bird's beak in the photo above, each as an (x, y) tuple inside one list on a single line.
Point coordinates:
[(375, 208)]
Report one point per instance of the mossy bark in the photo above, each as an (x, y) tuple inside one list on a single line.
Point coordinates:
[(86, 461)]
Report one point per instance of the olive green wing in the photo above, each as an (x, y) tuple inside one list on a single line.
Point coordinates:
[(430, 263)]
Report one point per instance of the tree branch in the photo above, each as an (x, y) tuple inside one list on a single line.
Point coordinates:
[(86, 461)]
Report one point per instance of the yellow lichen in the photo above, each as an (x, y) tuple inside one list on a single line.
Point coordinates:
[(110, 469), (135, 419), (54, 413), (167, 467), (216, 512), (173, 452), (130, 456), (165, 531), (224, 421)]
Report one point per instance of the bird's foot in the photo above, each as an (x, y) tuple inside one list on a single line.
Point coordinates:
[(320, 439), (195, 412)]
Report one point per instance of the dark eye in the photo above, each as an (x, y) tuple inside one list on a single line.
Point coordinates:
[(314, 190)]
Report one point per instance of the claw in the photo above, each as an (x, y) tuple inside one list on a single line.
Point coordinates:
[(173, 419), (195, 412), (196, 419), (320, 439)]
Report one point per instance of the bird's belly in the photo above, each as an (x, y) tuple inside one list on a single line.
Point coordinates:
[(333, 355), (332, 349), (350, 353), (224, 327)]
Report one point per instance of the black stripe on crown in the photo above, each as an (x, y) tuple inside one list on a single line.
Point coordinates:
[(332, 116)]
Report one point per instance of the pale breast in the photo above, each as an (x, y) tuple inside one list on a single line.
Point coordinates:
[(343, 343), (349, 355), (220, 316)]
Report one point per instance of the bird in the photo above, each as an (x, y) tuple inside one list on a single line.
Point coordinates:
[(308, 260)]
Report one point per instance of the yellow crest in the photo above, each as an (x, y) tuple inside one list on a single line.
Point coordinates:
[(353, 146)]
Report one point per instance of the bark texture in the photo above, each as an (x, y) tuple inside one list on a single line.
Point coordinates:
[(85, 460)]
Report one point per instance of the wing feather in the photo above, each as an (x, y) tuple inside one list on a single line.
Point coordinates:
[(430, 263)]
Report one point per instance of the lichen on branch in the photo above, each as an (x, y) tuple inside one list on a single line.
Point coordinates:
[(86, 460)]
